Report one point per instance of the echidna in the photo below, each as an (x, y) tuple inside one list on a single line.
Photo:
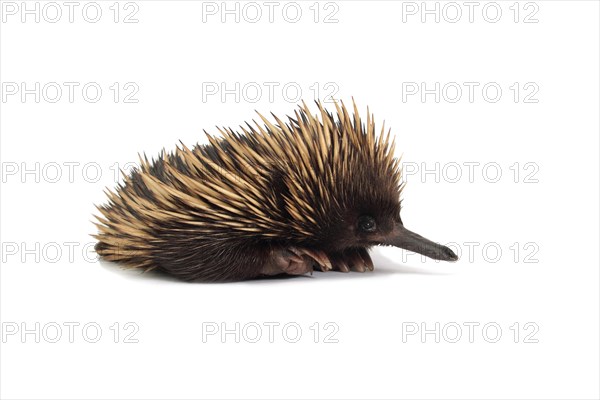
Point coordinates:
[(279, 198)]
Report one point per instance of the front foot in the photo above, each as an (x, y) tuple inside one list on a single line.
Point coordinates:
[(300, 261), (295, 261), (357, 259)]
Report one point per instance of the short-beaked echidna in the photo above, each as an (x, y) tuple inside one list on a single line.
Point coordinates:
[(283, 197)]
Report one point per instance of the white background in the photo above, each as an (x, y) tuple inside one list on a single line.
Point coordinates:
[(172, 55)]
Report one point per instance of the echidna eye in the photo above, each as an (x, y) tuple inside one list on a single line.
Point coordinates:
[(366, 223)]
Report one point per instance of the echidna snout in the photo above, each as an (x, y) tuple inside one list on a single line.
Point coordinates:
[(317, 190), (405, 239)]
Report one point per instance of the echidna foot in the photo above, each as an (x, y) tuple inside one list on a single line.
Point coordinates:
[(357, 259), (291, 261), (319, 257), (299, 261)]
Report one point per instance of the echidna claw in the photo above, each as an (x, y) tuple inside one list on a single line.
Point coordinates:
[(356, 262), (300, 260), (341, 265), (286, 261), (319, 256), (364, 254), (353, 259)]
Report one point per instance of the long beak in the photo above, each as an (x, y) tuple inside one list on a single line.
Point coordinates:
[(405, 239)]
